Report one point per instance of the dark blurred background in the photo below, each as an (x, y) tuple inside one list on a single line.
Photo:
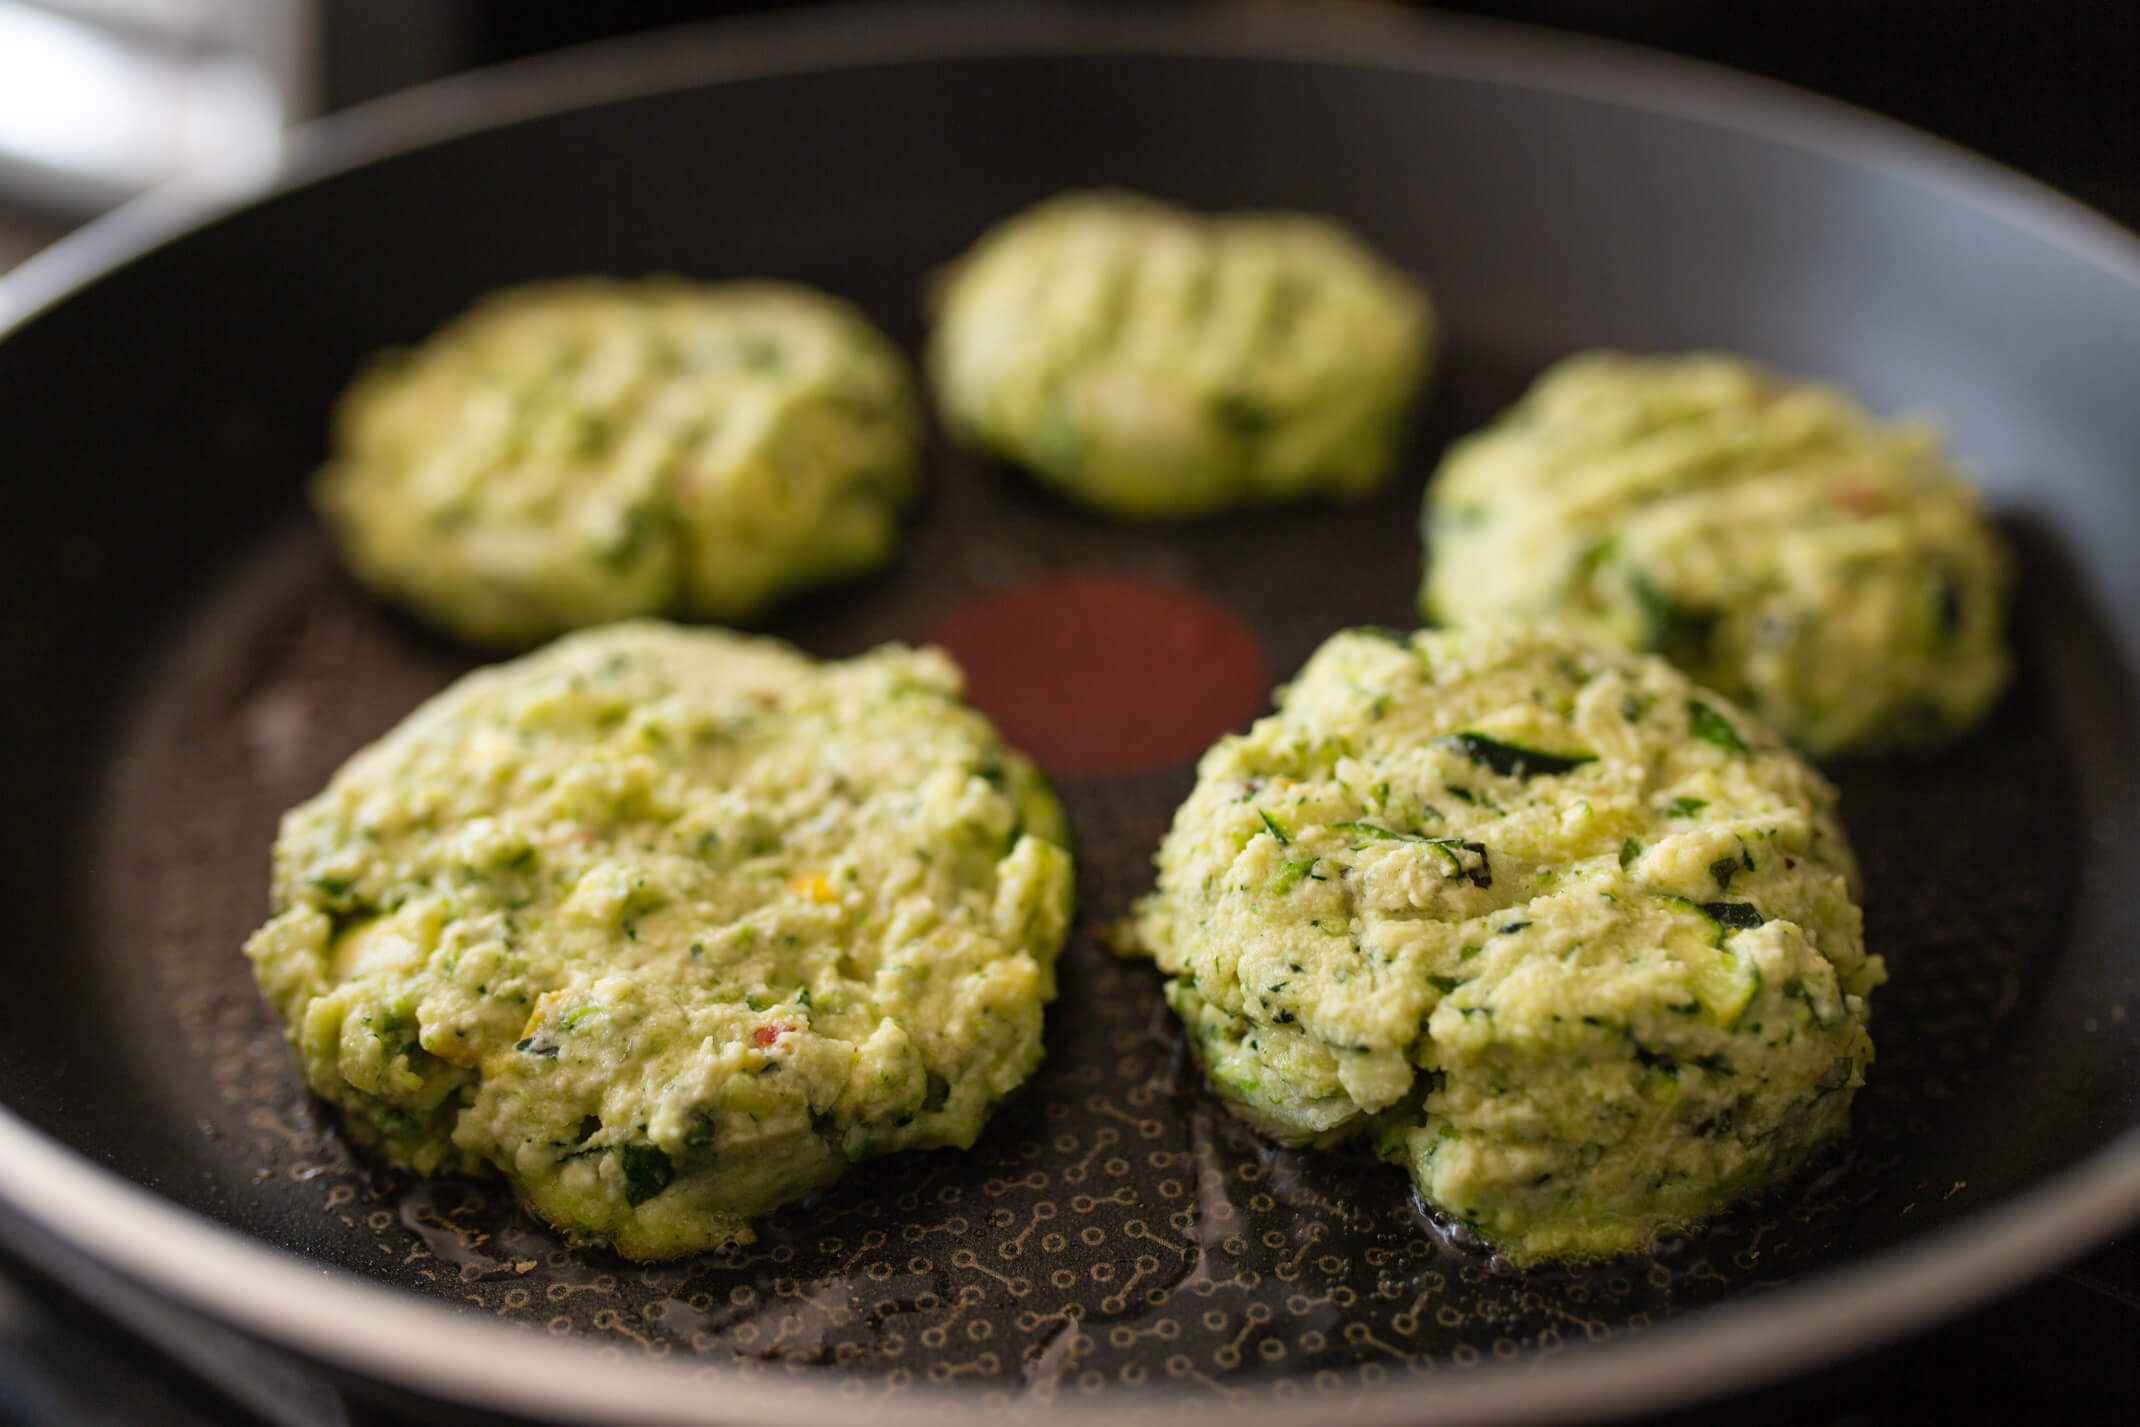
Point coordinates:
[(2045, 85), (101, 98)]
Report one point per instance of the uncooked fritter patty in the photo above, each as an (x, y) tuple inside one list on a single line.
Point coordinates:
[(573, 452), (1832, 572), (668, 927), (1160, 364), (1571, 939)]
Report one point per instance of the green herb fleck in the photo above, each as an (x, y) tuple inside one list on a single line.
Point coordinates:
[(1377, 830), (1294, 869), (647, 1172), (1656, 1060), (1740, 916), (759, 353), (1712, 727), (1947, 606), (1629, 851), (1243, 413), (1679, 632), (1480, 874), (1513, 760)]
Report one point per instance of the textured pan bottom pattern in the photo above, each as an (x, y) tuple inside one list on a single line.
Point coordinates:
[(1113, 1226)]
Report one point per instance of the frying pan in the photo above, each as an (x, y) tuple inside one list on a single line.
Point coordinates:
[(185, 661)]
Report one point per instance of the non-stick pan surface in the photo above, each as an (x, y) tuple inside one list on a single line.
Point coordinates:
[(186, 661)]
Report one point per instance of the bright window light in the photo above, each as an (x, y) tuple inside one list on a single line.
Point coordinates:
[(91, 112)]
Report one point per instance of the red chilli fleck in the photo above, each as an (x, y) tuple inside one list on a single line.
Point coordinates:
[(1858, 498), (766, 1035)]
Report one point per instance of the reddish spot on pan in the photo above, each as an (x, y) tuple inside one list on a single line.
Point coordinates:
[(1092, 673)]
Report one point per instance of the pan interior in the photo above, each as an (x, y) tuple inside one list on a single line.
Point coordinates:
[(207, 667), (1114, 1224)]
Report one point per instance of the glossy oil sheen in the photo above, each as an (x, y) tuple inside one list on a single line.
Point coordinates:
[(185, 661)]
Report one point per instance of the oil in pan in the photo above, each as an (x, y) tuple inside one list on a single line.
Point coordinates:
[(1113, 1226)]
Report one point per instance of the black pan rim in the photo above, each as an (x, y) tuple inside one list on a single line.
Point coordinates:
[(393, 1337)]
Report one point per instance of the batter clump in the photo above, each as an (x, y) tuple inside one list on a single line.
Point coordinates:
[(1160, 364), (668, 927), (1832, 572), (1570, 938), (574, 452)]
